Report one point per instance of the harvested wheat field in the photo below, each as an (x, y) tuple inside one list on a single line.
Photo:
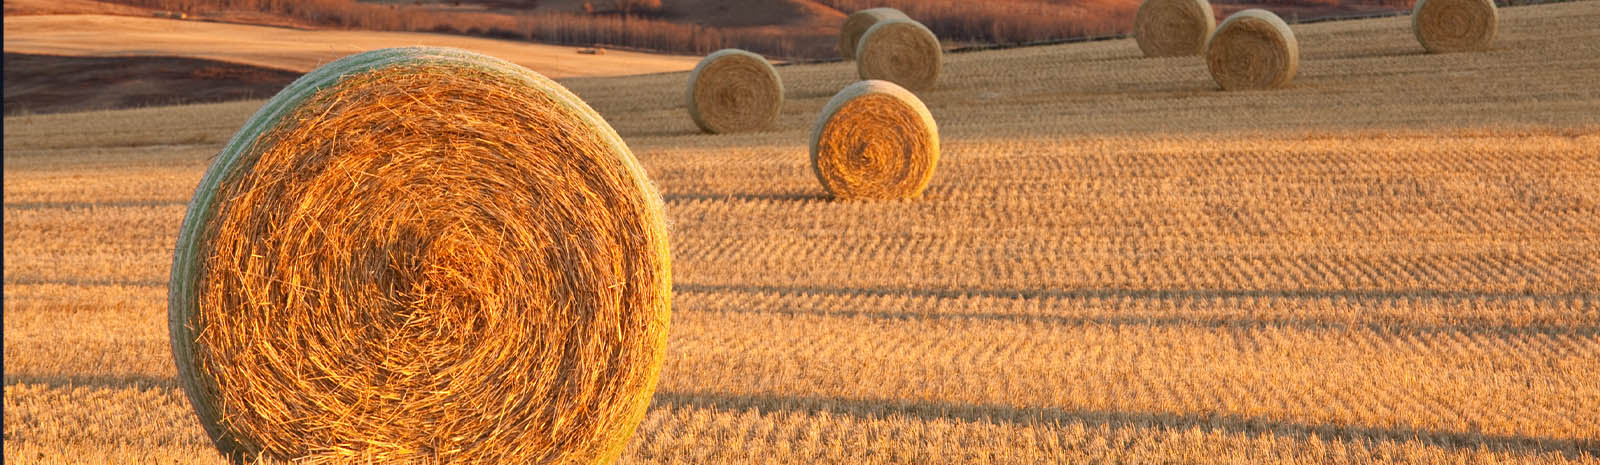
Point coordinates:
[(1394, 259)]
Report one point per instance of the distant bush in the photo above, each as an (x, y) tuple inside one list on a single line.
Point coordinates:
[(1009, 21)]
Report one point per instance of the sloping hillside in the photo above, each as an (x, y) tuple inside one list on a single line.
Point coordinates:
[(293, 49), (55, 84), (790, 29), (68, 62)]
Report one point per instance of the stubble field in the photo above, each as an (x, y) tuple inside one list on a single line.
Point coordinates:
[(1396, 260)]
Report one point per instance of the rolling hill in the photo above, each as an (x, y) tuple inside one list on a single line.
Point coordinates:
[(67, 62)]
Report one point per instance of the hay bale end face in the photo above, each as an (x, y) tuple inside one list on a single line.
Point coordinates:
[(734, 90), (1445, 26), (1252, 49), (422, 254), (901, 51), (875, 140), (858, 23), (1166, 28)]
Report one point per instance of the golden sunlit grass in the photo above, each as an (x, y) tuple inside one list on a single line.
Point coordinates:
[(1395, 259)]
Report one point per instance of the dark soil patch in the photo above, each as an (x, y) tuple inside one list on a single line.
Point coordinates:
[(58, 84)]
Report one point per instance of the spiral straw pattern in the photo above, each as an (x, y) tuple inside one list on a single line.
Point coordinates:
[(901, 51), (858, 23), (1444, 26), (733, 90), (1167, 28), (1252, 49), (875, 140), (422, 255)]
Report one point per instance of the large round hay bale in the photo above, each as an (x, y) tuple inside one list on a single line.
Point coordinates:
[(901, 51), (1167, 28), (1444, 26), (858, 23), (875, 140), (422, 255), (734, 90), (1253, 49)]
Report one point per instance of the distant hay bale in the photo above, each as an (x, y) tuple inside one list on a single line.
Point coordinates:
[(1253, 49), (422, 254), (733, 90), (858, 23), (901, 51), (1167, 28), (1444, 26), (875, 140)]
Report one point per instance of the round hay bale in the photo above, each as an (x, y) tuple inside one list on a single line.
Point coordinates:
[(1253, 49), (1444, 26), (1167, 28), (875, 140), (858, 23), (734, 90), (422, 255), (901, 51)]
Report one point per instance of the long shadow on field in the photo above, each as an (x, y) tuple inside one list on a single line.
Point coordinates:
[(1152, 294), (775, 197), (81, 205), (140, 382), (1394, 328), (32, 281), (1411, 50), (1211, 423)]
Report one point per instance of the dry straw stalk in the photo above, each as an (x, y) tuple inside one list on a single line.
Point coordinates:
[(422, 255), (858, 23), (734, 90), (901, 51), (1444, 26), (1253, 49), (875, 140), (1166, 28)]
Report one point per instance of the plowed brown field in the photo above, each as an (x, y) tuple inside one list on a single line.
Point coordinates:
[(1395, 260)]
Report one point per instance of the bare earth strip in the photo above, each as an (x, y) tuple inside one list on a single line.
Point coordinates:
[(1396, 260), (293, 49)]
